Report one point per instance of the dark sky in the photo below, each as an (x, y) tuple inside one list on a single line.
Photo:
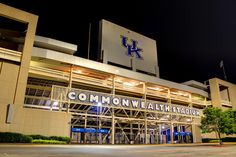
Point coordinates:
[(192, 35)]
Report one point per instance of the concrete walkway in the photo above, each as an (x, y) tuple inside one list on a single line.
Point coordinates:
[(169, 150)]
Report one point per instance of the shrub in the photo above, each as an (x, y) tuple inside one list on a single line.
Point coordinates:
[(60, 138), (39, 137), (14, 137), (214, 141), (229, 139), (40, 141)]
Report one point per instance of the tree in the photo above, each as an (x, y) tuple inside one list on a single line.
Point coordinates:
[(232, 116), (215, 120)]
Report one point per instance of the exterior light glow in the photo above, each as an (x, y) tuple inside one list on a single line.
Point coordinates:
[(188, 120)]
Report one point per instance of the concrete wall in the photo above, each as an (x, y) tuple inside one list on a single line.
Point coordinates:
[(33, 121), (26, 120), (13, 81), (215, 92)]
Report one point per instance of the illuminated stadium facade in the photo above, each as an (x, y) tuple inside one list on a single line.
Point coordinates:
[(46, 90)]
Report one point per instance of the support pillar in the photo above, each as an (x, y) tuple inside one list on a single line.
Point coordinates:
[(196, 133), (145, 125), (156, 134), (85, 126), (131, 127), (70, 85), (113, 128), (160, 133), (171, 133), (100, 126)]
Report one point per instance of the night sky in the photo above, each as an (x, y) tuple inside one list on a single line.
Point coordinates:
[(192, 36)]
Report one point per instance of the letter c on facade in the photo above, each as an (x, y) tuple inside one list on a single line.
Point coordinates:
[(71, 95)]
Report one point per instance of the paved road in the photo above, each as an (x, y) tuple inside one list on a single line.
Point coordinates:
[(115, 151)]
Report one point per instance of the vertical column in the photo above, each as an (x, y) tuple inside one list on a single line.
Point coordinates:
[(71, 75), (145, 114), (113, 85), (113, 128), (160, 133), (60, 103), (171, 133), (145, 131), (156, 134), (139, 133), (70, 85), (215, 92), (113, 116), (131, 126), (100, 125), (196, 133), (85, 126), (179, 128)]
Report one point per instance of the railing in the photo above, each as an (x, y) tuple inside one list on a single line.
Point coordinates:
[(157, 93), (108, 83), (130, 88), (181, 98), (10, 54), (90, 80), (226, 103)]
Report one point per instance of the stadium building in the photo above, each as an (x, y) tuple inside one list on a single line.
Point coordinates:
[(47, 90)]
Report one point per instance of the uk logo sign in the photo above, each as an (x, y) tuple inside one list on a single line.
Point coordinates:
[(132, 49)]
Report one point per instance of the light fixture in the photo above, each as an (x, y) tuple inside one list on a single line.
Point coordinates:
[(188, 120), (78, 71), (55, 103), (99, 103)]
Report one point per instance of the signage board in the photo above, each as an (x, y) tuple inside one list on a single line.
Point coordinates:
[(125, 48)]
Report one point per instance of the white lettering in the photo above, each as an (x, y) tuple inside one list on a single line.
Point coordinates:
[(71, 95), (150, 106), (157, 107), (143, 105), (93, 98), (106, 100), (125, 102), (187, 111), (135, 103), (167, 108), (82, 96), (162, 107), (178, 109), (116, 101), (174, 109)]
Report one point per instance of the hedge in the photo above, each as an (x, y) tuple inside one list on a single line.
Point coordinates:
[(40, 141), (57, 138), (213, 140), (39, 137), (14, 138), (9, 137), (60, 138)]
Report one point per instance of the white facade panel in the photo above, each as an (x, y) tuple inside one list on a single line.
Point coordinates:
[(127, 48)]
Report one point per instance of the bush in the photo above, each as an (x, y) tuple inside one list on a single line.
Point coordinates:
[(60, 138), (229, 139), (214, 141), (39, 137), (40, 141), (14, 137)]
